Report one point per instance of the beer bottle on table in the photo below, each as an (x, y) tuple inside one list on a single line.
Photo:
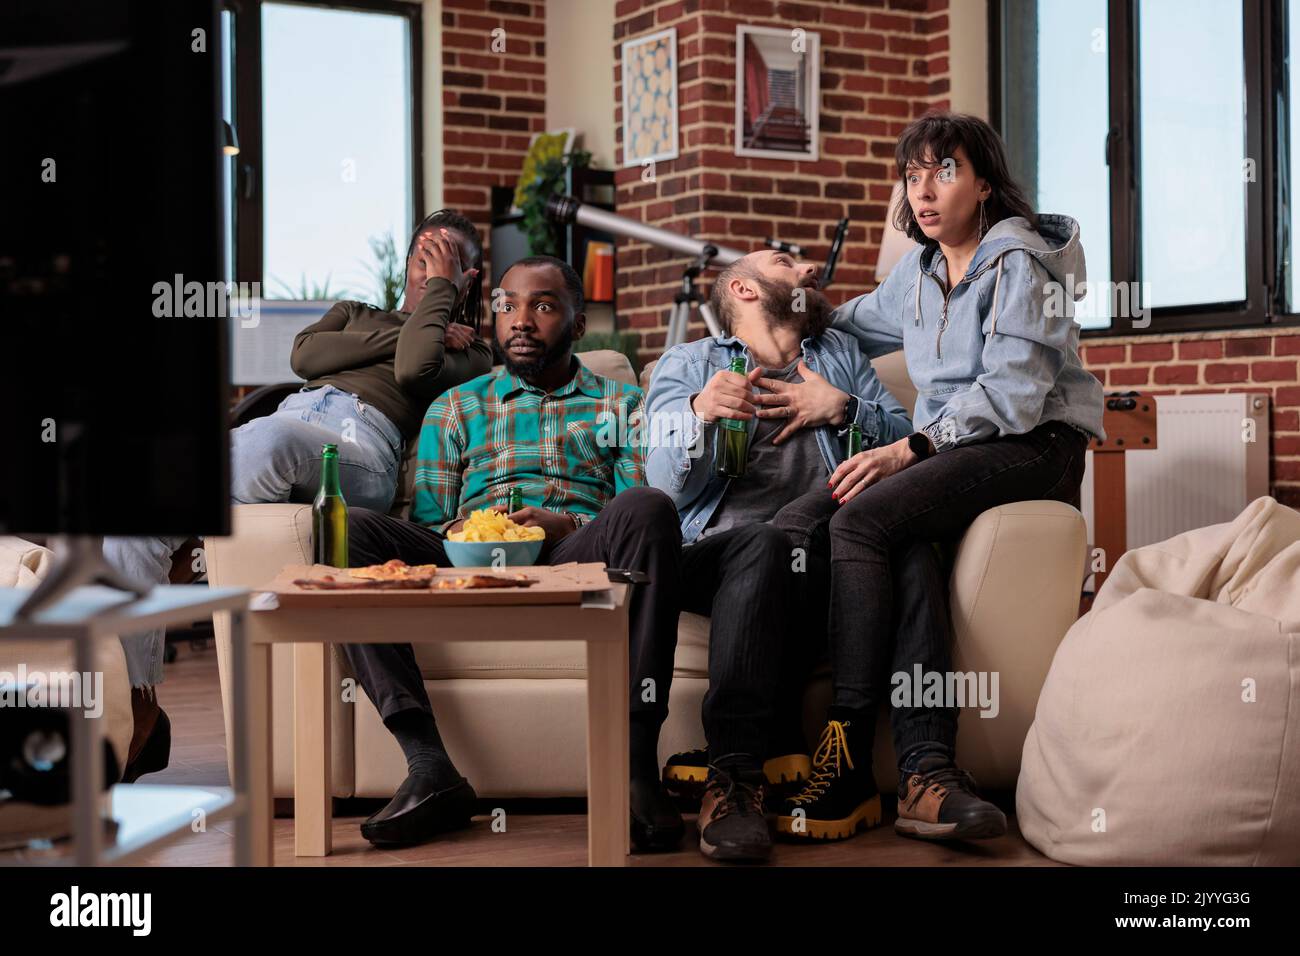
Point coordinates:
[(855, 439), (732, 448), (329, 514)]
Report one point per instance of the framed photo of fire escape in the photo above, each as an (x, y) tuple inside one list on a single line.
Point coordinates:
[(777, 92)]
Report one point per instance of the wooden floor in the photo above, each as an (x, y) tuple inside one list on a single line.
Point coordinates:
[(192, 699)]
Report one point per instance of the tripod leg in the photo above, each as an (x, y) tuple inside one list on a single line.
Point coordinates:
[(706, 311), (674, 336)]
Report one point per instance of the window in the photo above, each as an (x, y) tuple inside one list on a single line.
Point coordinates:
[(328, 100), (1194, 163), (1287, 42), (1145, 120), (1058, 152)]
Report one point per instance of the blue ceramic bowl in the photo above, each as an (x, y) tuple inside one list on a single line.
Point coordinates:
[(481, 554)]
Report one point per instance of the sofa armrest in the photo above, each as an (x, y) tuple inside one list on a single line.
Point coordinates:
[(1015, 590), (265, 538)]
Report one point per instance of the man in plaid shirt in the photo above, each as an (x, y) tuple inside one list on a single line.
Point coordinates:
[(540, 424)]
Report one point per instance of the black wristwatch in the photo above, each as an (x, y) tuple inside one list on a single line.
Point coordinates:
[(919, 442), (850, 411)]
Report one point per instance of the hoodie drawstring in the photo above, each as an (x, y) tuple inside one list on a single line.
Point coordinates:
[(993, 327), (916, 315)]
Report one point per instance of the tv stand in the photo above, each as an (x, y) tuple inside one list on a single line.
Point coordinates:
[(79, 560)]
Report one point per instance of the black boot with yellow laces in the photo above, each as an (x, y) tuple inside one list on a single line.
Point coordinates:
[(841, 794)]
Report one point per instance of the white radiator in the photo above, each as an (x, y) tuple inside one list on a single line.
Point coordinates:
[(1202, 471)]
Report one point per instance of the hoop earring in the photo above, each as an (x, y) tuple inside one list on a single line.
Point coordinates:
[(984, 225)]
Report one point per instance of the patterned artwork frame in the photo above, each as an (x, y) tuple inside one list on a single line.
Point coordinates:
[(649, 70)]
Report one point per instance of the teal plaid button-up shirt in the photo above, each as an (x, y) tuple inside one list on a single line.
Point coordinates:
[(571, 450)]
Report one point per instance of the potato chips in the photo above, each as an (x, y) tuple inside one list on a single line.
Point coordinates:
[(488, 525)]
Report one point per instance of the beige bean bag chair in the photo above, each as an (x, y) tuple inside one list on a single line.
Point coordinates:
[(1168, 730)]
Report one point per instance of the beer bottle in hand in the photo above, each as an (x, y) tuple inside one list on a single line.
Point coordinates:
[(855, 440), (516, 500), (329, 514), (732, 448)]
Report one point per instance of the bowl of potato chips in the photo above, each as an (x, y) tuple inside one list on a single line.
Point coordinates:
[(488, 539)]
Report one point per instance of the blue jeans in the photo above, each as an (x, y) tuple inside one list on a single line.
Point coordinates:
[(272, 459)]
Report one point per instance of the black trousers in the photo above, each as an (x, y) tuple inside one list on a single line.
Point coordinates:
[(743, 579), (888, 583), (638, 530)]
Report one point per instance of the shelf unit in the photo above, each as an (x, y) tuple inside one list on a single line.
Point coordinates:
[(148, 815)]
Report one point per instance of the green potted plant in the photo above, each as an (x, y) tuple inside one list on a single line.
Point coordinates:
[(548, 182), (387, 271)]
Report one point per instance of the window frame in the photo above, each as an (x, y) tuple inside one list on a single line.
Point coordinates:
[(248, 199), (1264, 76)]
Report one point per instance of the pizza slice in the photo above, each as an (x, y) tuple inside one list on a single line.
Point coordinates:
[(476, 581), (328, 582), (396, 570)]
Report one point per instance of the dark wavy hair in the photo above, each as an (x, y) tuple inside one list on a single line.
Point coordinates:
[(927, 141), (471, 309)]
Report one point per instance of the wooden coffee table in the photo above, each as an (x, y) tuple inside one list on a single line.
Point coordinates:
[(573, 602)]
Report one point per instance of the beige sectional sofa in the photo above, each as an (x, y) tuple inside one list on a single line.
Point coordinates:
[(513, 714)]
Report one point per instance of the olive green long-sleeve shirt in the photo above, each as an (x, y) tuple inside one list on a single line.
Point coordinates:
[(395, 361)]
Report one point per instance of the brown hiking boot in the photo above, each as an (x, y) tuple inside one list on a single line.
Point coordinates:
[(937, 801), (732, 826)]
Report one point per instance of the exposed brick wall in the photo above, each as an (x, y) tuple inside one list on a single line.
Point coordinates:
[(1240, 361), (492, 103), (883, 62)]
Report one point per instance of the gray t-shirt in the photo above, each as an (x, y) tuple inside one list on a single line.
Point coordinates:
[(774, 474)]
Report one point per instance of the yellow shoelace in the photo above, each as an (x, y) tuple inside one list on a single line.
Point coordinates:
[(831, 749)]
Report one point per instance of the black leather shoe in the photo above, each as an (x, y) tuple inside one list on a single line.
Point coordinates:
[(656, 823), (420, 811), (155, 752)]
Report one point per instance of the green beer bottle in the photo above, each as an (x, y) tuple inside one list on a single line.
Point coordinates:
[(855, 439), (329, 514), (516, 500), (732, 448)]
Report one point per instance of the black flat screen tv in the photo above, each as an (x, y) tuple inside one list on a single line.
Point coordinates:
[(113, 409)]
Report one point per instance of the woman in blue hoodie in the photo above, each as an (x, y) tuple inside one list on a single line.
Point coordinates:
[(983, 309)]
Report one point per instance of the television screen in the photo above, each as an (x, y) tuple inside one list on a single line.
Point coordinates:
[(114, 357)]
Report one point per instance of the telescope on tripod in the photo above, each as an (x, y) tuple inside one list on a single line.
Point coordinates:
[(566, 210)]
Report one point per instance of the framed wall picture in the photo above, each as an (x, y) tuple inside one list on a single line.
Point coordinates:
[(650, 98), (778, 96)]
